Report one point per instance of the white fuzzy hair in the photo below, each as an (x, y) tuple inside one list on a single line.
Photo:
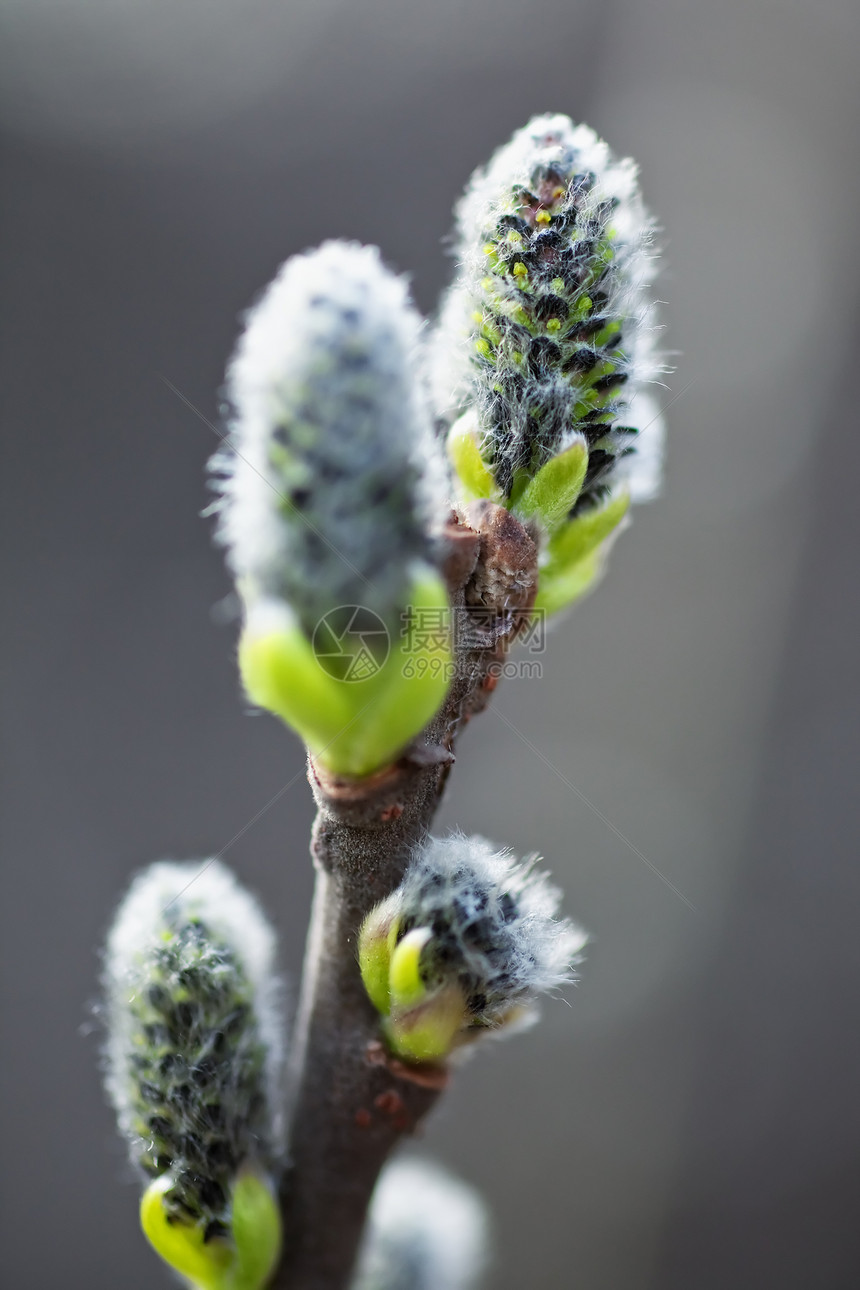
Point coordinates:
[(328, 359), (496, 914), (427, 1231), (548, 140), (165, 896)]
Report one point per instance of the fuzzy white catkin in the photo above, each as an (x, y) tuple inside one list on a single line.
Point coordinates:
[(334, 482), (427, 1231), (494, 923), (521, 349), (195, 1032)]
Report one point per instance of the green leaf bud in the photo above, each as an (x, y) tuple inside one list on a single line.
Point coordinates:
[(245, 1261), (465, 944), (355, 705), (575, 556)]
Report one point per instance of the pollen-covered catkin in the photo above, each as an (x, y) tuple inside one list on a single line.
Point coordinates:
[(194, 1035), (546, 336), (333, 482), (466, 943), (493, 923)]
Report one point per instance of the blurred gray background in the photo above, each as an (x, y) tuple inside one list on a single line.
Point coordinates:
[(688, 763)]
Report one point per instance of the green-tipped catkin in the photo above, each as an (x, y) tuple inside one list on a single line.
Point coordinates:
[(466, 942), (329, 496), (426, 1231), (194, 1036), (332, 482), (545, 339)]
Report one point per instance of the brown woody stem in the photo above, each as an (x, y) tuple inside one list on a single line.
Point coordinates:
[(350, 1102)]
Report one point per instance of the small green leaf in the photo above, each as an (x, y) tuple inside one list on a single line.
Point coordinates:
[(519, 484), (551, 494), (354, 727), (409, 689), (256, 1229), (560, 587), (208, 1265), (281, 673), (245, 1262), (375, 943), (582, 535), (429, 1032), (575, 555), (473, 473), (405, 985)]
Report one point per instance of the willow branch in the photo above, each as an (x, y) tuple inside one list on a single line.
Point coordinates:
[(350, 1102)]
